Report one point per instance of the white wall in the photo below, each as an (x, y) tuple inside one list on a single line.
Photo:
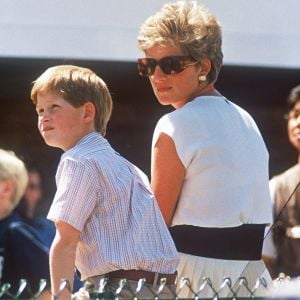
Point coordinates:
[(255, 32)]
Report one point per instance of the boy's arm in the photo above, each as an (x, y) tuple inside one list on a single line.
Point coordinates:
[(62, 258)]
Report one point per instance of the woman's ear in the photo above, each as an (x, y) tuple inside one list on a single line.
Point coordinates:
[(89, 111), (205, 67)]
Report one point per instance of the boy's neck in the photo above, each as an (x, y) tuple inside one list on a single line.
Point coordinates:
[(79, 138)]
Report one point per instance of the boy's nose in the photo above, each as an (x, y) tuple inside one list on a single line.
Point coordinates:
[(45, 116)]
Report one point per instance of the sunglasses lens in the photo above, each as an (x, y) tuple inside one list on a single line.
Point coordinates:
[(146, 66), (171, 65)]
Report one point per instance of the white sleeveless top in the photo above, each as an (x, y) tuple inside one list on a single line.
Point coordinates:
[(226, 161)]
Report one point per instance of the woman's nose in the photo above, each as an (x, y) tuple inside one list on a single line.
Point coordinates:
[(158, 73)]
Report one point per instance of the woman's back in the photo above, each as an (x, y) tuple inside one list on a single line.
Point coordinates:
[(226, 164)]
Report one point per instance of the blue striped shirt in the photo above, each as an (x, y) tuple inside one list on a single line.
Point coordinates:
[(110, 202)]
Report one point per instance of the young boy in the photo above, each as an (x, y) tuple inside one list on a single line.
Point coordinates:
[(107, 221), (22, 254)]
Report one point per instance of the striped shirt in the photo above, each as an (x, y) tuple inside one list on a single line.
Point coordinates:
[(110, 202)]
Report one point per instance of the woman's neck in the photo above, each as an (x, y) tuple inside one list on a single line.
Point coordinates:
[(208, 90)]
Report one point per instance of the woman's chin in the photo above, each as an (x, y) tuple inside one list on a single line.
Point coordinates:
[(164, 101)]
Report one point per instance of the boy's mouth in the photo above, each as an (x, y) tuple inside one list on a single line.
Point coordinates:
[(46, 129)]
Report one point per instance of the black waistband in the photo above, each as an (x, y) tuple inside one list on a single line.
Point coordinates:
[(234, 243)]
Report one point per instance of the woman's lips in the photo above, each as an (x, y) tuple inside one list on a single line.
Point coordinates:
[(163, 89)]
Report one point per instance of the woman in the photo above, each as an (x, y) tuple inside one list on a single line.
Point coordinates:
[(209, 162)]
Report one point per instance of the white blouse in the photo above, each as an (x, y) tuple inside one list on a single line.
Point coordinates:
[(226, 161)]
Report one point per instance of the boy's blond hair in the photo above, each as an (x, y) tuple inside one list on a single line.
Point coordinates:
[(12, 168), (77, 86)]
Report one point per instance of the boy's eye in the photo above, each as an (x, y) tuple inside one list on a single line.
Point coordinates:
[(53, 106), (39, 112)]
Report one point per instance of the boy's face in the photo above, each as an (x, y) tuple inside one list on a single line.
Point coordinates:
[(6, 191), (60, 124)]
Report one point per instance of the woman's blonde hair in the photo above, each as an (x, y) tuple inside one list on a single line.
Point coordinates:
[(77, 86), (12, 168), (189, 26)]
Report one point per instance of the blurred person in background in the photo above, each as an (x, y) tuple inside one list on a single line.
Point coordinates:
[(22, 254), (28, 206), (282, 245)]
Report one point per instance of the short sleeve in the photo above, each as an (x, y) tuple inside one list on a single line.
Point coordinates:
[(163, 125), (75, 198), (174, 127)]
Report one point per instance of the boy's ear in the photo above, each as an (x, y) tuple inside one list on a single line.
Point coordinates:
[(89, 111)]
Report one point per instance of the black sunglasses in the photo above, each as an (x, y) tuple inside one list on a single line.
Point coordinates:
[(169, 64)]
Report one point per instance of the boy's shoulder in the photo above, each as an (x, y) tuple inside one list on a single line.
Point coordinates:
[(88, 146), (90, 153)]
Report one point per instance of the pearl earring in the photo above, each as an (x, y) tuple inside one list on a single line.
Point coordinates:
[(202, 78)]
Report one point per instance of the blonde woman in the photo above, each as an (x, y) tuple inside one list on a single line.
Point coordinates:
[(209, 160)]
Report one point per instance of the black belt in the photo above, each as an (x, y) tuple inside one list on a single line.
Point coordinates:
[(234, 243)]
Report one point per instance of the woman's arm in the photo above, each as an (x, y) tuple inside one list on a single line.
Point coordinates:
[(167, 175)]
